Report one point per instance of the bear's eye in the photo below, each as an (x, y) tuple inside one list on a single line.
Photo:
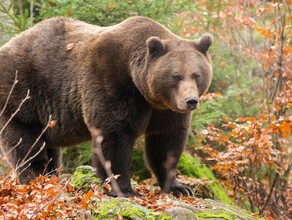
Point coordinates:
[(176, 76), (196, 76)]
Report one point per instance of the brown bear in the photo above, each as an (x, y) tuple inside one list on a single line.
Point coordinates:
[(129, 79)]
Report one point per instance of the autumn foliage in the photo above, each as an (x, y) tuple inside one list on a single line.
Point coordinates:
[(38, 200), (252, 156), (252, 153), (55, 198)]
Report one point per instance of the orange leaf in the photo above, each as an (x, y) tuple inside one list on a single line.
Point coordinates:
[(59, 169), (108, 187), (70, 188), (245, 119), (87, 196)]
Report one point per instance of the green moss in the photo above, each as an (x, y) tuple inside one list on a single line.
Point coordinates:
[(84, 177), (164, 216), (226, 210), (124, 208), (222, 215), (192, 167)]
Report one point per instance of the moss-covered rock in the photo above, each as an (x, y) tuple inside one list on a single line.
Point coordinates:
[(121, 207), (192, 167), (84, 177), (212, 209), (175, 208)]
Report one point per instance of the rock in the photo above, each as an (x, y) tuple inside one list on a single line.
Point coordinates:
[(224, 211), (124, 208), (180, 213)]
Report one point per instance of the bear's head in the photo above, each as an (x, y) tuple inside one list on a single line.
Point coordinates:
[(177, 72)]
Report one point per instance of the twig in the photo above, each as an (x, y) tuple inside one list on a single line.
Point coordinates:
[(37, 140), (10, 92), (52, 171), (270, 193), (24, 162), (244, 187), (16, 145), (17, 110), (46, 166), (28, 165), (280, 58)]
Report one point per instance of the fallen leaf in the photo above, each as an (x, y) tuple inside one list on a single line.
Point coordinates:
[(69, 46), (52, 123)]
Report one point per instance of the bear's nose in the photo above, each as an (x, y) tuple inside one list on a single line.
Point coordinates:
[(192, 102)]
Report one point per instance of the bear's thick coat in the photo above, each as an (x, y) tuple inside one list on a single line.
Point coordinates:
[(129, 79)]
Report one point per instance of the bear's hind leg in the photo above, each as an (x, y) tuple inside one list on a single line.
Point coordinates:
[(17, 141)]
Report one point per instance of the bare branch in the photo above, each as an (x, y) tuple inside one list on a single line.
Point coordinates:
[(18, 143), (38, 138), (24, 162), (46, 166), (17, 110), (270, 193), (28, 165), (10, 93)]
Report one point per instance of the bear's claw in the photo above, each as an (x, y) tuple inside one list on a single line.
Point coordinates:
[(179, 189), (125, 193), (182, 190)]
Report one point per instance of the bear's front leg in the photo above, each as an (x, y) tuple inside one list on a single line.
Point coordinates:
[(120, 121), (165, 140), (116, 148)]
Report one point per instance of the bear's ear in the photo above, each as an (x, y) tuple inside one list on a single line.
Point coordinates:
[(155, 46), (204, 43)]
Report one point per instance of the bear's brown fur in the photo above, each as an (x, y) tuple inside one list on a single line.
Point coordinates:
[(128, 79)]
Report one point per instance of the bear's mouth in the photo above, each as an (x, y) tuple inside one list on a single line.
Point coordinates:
[(183, 110), (183, 107)]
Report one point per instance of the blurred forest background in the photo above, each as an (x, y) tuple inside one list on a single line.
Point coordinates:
[(243, 127)]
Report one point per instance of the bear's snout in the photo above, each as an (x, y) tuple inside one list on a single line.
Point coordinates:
[(192, 102)]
